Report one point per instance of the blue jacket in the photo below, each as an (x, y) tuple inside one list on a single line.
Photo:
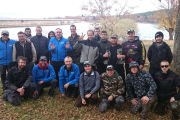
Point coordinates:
[(6, 51), (71, 76), (60, 52), (46, 74)]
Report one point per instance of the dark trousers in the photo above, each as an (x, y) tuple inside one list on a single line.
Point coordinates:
[(30, 67), (57, 66), (163, 105), (127, 68), (94, 98), (105, 104), (15, 98), (153, 71), (52, 83), (81, 67), (101, 68), (3, 70), (72, 89)]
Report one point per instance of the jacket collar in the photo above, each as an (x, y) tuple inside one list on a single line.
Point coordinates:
[(42, 67), (65, 67)]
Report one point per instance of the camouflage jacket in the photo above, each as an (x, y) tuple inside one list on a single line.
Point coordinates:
[(112, 86), (73, 42), (140, 85)]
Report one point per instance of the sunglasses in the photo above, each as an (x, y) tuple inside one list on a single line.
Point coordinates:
[(162, 66), (5, 34), (109, 69)]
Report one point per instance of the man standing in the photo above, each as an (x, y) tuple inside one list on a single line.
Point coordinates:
[(27, 33), (157, 52), (59, 46), (5, 55), (41, 44), (89, 84), (134, 50), (69, 78), (104, 45), (90, 50), (44, 76), (115, 56), (73, 39), (167, 82), (19, 83), (97, 34), (112, 89), (141, 90), (26, 49)]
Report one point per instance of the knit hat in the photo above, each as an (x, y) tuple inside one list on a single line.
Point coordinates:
[(159, 34)]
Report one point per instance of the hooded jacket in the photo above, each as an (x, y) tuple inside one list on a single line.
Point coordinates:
[(46, 74), (141, 84), (104, 45), (157, 54), (89, 52), (167, 83), (6, 50), (135, 51), (17, 78), (60, 52), (112, 86), (68, 76), (41, 45)]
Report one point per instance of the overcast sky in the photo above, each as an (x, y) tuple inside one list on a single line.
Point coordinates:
[(54, 8)]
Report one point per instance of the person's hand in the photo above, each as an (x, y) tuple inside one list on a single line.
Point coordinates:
[(28, 40), (81, 37), (88, 95), (119, 43), (83, 101), (145, 99), (106, 55), (141, 67), (41, 82), (110, 98), (67, 45), (52, 46), (120, 56), (63, 95), (35, 93), (172, 99), (66, 85), (134, 101), (21, 91)]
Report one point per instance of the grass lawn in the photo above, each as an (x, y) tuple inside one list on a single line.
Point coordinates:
[(46, 108)]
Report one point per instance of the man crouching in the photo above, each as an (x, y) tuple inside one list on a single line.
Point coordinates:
[(141, 90), (112, 88)]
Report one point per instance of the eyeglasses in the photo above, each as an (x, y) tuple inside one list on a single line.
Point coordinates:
[(162, 66)]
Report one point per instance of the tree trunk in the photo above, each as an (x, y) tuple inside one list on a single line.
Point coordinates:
[(176, 52), (171, 30)]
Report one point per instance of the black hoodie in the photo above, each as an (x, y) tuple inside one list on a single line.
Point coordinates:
[(157, 54), (135, 51)]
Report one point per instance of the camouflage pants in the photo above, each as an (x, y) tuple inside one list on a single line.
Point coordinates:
[(164, 104), (144, 108), (105, 104)]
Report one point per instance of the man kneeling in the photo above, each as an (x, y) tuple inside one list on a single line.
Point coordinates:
[(89, 85), (167, 82), (19, 83), (112, 88), (44, 76), (141, 90)]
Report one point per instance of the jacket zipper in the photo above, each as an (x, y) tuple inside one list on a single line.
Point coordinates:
[(57, 50), (68, 75), (6, 53), (88, 53)]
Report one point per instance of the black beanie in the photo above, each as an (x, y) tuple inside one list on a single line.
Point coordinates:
[(159, 34)]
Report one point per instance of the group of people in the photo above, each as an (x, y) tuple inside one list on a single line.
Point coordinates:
[(90, 69)]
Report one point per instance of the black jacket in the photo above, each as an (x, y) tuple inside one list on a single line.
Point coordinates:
[(17, 79), (41, 45), (157, 54), (135, 51), (167, 83), (104, 45)]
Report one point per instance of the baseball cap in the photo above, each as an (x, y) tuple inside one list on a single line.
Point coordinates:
[(110, 67), (43, 58), (4, 32), (130, 31), (87, 63), (114, 36)]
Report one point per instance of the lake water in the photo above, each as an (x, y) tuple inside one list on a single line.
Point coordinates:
[(146, 31)]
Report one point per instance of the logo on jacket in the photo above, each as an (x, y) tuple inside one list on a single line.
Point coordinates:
[(10, 45), (62, 42), (72, 72)]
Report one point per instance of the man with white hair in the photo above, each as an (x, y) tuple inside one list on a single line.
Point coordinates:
[(69, 78)]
